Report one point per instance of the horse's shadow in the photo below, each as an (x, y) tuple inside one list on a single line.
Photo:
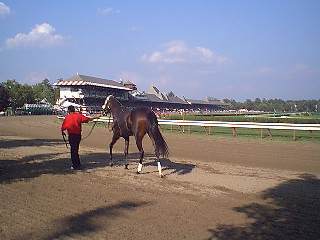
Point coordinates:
[(169, 167), (96, 160)]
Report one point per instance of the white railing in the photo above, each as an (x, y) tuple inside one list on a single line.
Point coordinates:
[(279, 126), (207, 125)]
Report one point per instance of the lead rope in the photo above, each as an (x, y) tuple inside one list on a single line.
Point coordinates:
[(109, 121), (94, 124)]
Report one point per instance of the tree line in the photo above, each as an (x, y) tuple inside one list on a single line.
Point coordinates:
[(275, 105), (14, 94)]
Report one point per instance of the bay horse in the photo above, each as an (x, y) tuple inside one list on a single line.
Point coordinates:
[(136, 122)]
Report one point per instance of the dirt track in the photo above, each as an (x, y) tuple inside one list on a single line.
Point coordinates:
[(213, 188)]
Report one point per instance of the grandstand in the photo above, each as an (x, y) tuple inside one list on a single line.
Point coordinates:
[(92, 91)]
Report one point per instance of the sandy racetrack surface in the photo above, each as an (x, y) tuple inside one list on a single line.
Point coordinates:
[(214, 188)]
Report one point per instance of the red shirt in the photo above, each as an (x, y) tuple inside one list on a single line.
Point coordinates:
[(72, 123)]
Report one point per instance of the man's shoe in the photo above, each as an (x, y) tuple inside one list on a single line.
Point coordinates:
[(76, 168)]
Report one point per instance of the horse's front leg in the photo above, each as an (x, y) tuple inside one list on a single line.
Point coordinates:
[(159, 163), (126, 148), (114, 140)]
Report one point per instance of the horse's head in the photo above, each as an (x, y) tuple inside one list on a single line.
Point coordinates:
[(106, 107)]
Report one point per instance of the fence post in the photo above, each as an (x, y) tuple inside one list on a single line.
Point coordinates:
[(234, 132), (311, 132), (205, 129), (269, 132)]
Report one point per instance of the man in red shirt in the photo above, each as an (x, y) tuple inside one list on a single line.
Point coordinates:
[(72, 123)]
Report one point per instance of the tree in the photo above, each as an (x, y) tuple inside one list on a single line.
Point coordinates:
[(19, 94), (4, 98), (44, 90), (249, 104)]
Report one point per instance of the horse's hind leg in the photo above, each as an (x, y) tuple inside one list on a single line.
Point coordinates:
[(159, 164), (156, 152), (139, 145), (114, 140), (126, 147)]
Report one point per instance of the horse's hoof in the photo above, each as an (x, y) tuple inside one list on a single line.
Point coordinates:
[(111, 164), (161, 176), (126, 166), (138, 172)]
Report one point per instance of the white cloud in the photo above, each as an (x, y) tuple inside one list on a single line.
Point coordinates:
[(176, 47), (179, 52), (4, 9), (42, 35), (108, 11)]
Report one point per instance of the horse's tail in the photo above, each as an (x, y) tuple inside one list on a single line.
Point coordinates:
[(161, 145)]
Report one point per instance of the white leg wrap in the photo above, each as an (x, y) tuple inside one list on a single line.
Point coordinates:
[(159, 169), (139, 167)]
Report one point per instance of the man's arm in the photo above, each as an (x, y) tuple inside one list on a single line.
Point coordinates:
[(86, 119), (93, 118)]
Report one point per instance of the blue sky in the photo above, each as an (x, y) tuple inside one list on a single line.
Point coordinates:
[(224, 49)]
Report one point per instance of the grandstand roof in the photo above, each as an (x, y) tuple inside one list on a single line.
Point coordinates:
[(154, 95), (153, 98), (155, 91), (175, 99), (83, 80), (205, 102)]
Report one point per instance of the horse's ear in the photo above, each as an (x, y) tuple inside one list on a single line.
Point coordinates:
[(109, 98), (105, 102)]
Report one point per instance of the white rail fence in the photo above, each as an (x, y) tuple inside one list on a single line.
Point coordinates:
[(185, 126), (208, 125)]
